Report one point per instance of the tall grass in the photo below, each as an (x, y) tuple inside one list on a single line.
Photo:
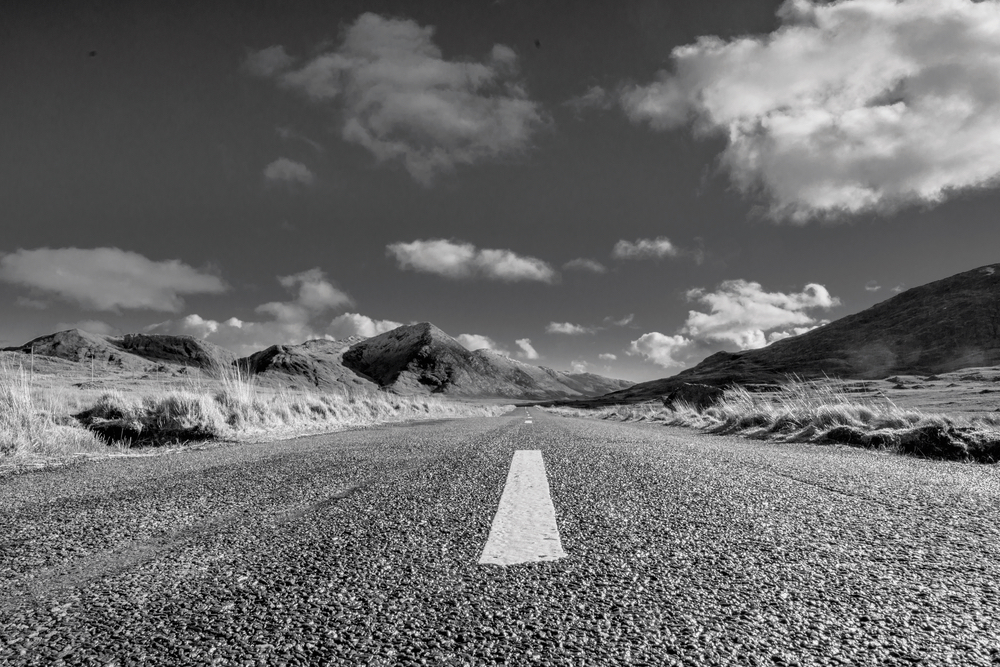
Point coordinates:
[(231, 406), (823, 411), (30, 421)]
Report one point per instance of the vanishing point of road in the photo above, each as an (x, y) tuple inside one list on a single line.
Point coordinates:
[(669, 547)]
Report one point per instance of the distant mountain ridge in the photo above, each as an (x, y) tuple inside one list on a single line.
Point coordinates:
[(421, 358), (939, 327), (130, 351), (412, 359)]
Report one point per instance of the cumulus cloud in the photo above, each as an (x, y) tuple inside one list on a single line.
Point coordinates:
[(849, 106), (584, 264), (741, 312), (659, 348), (579, 366), (527, 349), (463, 260), (397, 96), (107, 278), (291, 322), (355, 324), (90, 326), (645, 249), (568, 328), (607, 356), (284, 170), (475, 342), (872, 286)]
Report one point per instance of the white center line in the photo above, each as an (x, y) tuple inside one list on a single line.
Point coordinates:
[(524, 529)]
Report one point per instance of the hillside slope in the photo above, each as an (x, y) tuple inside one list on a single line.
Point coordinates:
[(315, 364), (939, 327), (131, 351)]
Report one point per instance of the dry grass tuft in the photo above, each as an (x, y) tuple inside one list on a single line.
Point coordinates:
[(823, 411), (39, 418)]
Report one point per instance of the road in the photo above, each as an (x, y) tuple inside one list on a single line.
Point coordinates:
[(363, 547)]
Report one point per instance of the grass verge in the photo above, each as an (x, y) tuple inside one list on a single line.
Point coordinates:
[(46, 420), (824, 412)]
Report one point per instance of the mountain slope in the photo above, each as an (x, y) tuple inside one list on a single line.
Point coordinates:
[(420, 358), (315, 364), (131, 351), (935, 328)]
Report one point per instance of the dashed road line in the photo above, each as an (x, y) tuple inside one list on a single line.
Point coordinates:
[(524, 529)]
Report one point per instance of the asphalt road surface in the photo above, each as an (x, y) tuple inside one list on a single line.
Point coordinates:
[(363, 547)]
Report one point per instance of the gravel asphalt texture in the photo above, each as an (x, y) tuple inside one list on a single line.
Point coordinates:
[(360, 547)]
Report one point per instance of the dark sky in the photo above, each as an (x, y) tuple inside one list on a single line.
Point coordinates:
[(738, 171)]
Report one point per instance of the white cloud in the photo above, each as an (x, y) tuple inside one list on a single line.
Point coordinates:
[(899, 288), (398, 97), (849, 106), (107, 278), (607, 356), (741, 312), (584, 264), (354, 324), (568, 328), (462, 260), (90, 326), (579, 366), (291, 321), (474, 342), (645, 249), (623, 322), (872, 286), (527, 350), (269, 61), (659, 348), (595, 97), (288, 171)]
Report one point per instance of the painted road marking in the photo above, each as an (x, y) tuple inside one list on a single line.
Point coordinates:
[(527, 421), (524, 529)]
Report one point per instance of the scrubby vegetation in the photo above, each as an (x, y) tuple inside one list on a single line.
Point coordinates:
[(824, 412), (41, 419)]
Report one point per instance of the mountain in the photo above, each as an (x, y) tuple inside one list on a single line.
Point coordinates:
[(315, 364), (939, 327), (420, 358), (131, 351)]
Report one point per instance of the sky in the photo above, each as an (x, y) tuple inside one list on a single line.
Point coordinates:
[(621, 187)]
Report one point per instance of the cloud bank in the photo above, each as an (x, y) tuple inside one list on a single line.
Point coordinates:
[(740, 312), (850, 106), (398, 97), (107, 278), (291, 322), (453, 259)]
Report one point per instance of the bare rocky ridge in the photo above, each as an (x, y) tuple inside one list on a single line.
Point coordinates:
[(420, 358), (939, 327)]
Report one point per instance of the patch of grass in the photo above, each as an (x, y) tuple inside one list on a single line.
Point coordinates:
[(825, 411), (43, 419)]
